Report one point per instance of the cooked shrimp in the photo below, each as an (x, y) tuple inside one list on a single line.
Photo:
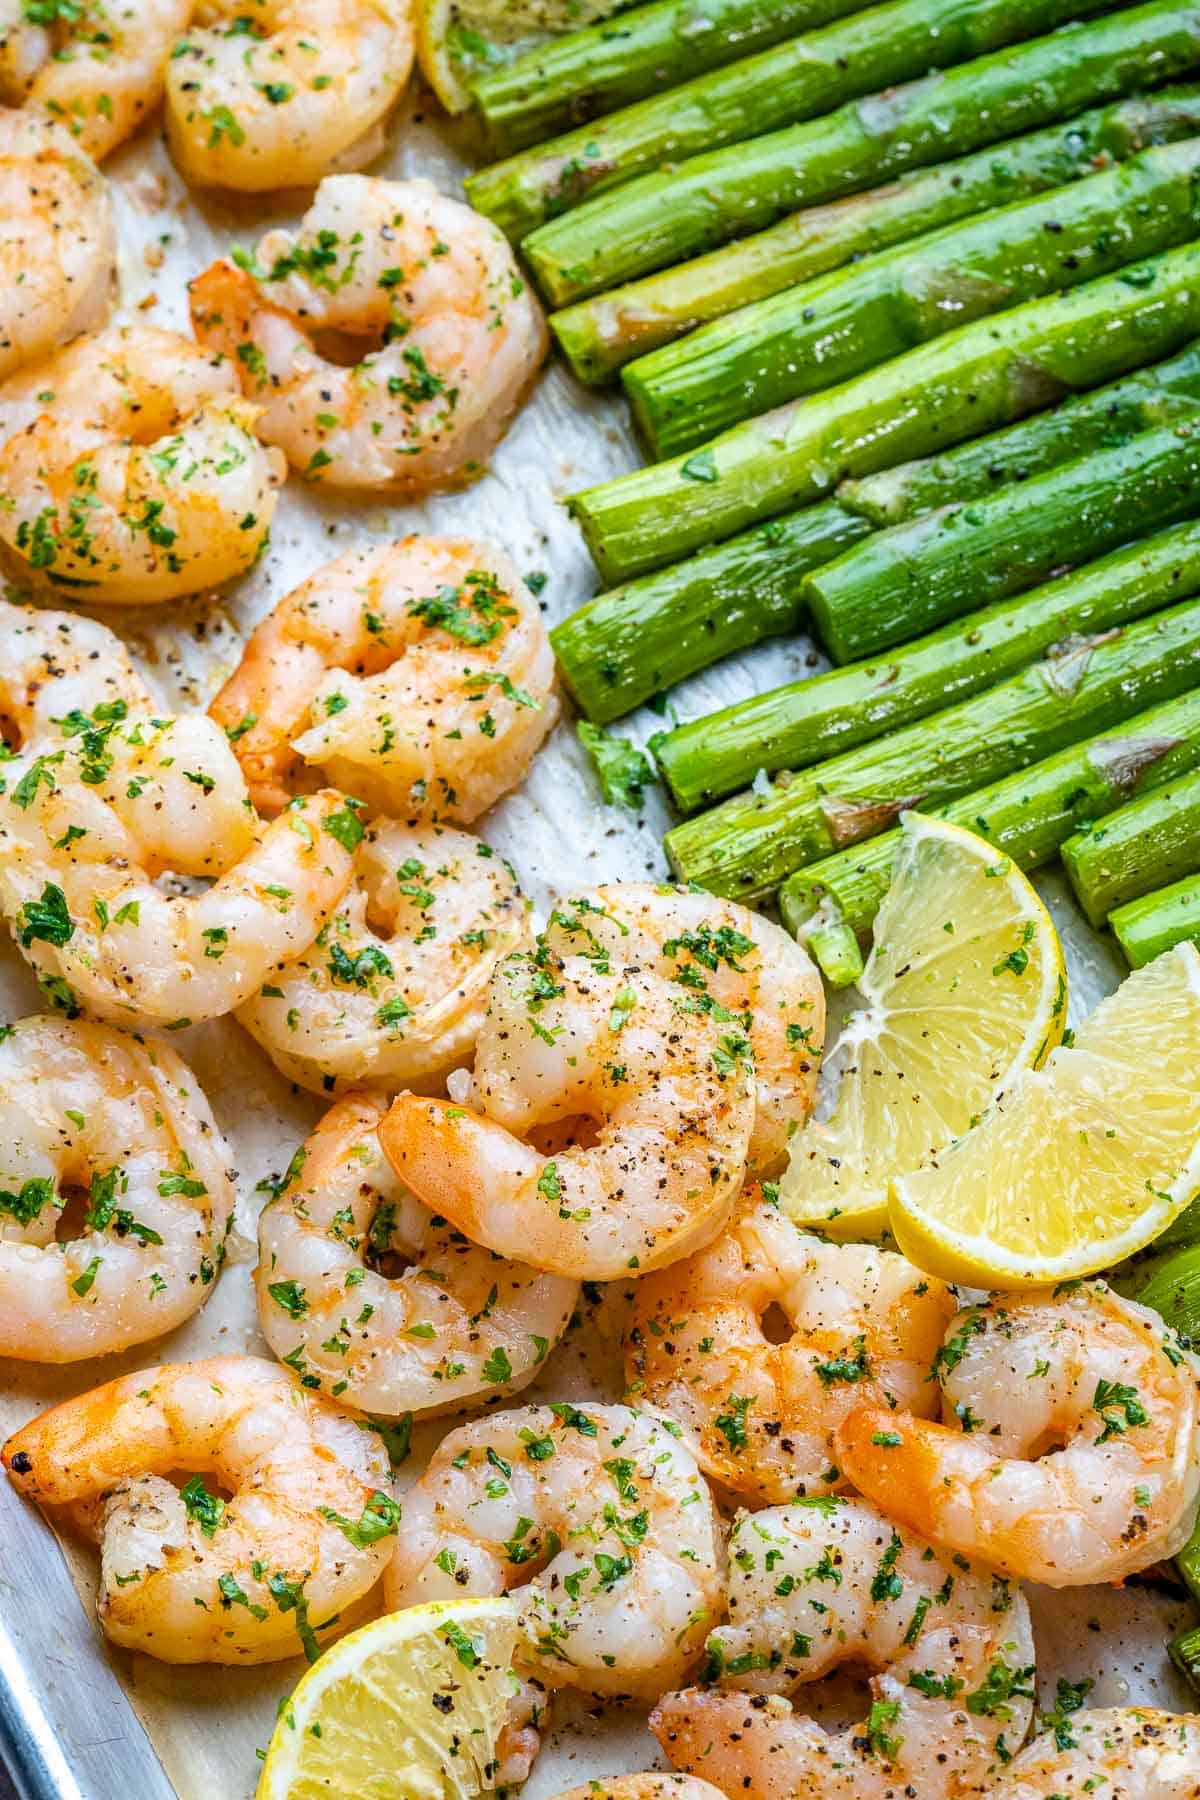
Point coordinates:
[(761, 1410), (643, 1013), (185, 1575), (122, 1121), (455, 1327), (86, 828), (393, 990), (449, 336), (827, 1583), (417, 675), (96, 65), (133, 473), (58, 243), (1073, 1456), (58, 667), (723, 957), (602, 1521), (1118, 1753), (278, 93), (643, 1787)]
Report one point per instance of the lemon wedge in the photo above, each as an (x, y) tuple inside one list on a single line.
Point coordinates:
[(965, 988), (1081, 1163), (459, 40), (408, 1708)]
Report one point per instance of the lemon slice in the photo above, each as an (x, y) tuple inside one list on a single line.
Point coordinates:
[(1081, 1163), (964, 988), (459, 40), (408, 1708)]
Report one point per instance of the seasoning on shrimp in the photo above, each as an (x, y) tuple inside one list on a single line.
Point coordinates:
[(97, 66), (186, 1575), (58, 252), (392, 991), (830, 1582), (417, 676), (643, 1787), (59, 667), (1114, 1753), (1070, 1452), (380, 1305), (275, 94), (450, 334), (132, 473), (89, 823), (853, 1322), (652, 1047), (597, 1516), (122, 1120)]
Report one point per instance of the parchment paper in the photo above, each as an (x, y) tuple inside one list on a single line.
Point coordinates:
[(206, 1722)]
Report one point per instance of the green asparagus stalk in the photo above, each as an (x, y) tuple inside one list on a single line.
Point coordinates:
[(748, 846), (1159, 395), (1184, 1651), (915, 576), (599, 336), (1173, 1289), (1150, 843), (808, 75), (1145, 928), (1027, 815), (692, 206), (569, 79), (969, 382), (827, 330), (622, 647), (635, 641), (806, 721)]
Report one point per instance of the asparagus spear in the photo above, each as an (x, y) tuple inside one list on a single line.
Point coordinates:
[(1146, 845), (692, 206), (827, 330), (806, 721), (1145, 928), (599, 336), (795, 80), (569, 79), (626, 645), (622, 647), (748, 846), (915, 576), (971, 381), (1089, 421), (1028, 815)]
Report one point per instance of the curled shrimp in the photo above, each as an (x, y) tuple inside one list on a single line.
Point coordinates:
[(448, 334), (58, 243), (1116, 1753), (417, 675), (98, 66), (393, 989), (276, 95), (185, 1575), (132, 473), (761, 1410), (1070, 1452), (600, 1519), (58, 666), (831, 1582), (85, 829), (643, 1787), (456, 1326), (121, 1120), (642, 1017)]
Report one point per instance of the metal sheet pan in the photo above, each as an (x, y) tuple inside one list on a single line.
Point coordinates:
[(78, 1721)]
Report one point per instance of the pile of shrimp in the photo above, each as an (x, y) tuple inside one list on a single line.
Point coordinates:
[(531, 1132)]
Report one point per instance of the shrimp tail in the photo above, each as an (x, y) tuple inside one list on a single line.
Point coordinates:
[(915, 1470), (740, 1742)]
